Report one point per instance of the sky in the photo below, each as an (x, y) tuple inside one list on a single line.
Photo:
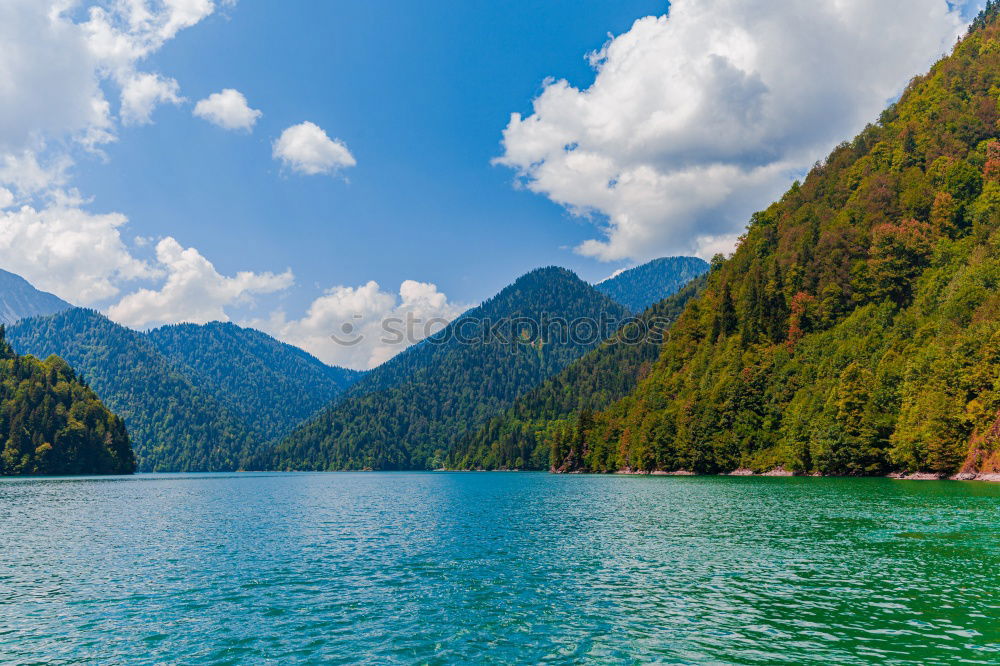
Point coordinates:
[(294, 166)]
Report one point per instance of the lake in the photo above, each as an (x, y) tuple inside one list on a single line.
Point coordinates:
[(496, 568)]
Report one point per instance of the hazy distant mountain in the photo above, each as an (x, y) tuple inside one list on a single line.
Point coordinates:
[(639, 287), (19, 300), (407, 413)]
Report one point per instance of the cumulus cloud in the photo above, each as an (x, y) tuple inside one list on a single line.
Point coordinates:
[(227, 109), (58, 57), (60, 61), (697, 118), (27, 177), (142, 93), (50, 81), (346, 326), (194, 291), (65, 250), (306, 149)]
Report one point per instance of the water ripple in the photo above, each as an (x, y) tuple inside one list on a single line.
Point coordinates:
[(495, 568)]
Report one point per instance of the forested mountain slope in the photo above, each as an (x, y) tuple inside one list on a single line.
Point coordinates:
[(18, 299), (270, 385), (407, 413), (519, 438), (52, 423), (856, 330), (195, 398), (174, 425), (642, 286)]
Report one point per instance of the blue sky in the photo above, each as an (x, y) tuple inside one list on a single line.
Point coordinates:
[(420, 92), (412, 158)]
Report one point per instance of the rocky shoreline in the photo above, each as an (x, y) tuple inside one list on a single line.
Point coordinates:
[(991, 477)]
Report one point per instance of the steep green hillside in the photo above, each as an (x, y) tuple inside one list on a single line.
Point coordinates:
[(642, 286), (174, 425), (856, 330), (408, 413), (519, 438), (271, 386), (52, 423)]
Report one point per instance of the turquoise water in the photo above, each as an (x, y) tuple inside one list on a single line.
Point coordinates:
[(496, 568)]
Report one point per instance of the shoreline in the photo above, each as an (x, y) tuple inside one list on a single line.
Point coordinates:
[(989, 477)]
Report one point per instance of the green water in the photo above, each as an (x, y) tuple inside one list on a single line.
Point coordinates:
[(497, 568)]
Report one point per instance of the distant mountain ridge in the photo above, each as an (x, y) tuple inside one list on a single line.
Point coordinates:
[(275, 385), (20, 300), (640, 287), (408, 413), (216, 397), (194, 398), (537, 431)]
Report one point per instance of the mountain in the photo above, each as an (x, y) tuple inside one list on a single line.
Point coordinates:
[(522, 437), (194, 398), (642, 286), (175, 425), (270, 385), (19, 300), (856, 329), (408, 413), (52, 423)]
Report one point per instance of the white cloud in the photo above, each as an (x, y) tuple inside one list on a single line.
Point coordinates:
[(357, 316), (58, 61), (50, 81), (697, 119), (28, 177), (193, 291), (74, 254), (227, 109), (142, 93), (57, 58), (307, 149)]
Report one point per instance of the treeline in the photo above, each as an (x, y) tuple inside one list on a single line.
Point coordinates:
[(51, 422), (856, 330)]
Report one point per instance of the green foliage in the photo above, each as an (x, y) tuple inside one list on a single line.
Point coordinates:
[(856, 330), (175, 426), (642, 286), (271, 386), (410, 412), (194, 398), (52, 423), (542, 428)]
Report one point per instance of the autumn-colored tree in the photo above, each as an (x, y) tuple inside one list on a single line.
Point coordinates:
[(944, 214), (800, 317)]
